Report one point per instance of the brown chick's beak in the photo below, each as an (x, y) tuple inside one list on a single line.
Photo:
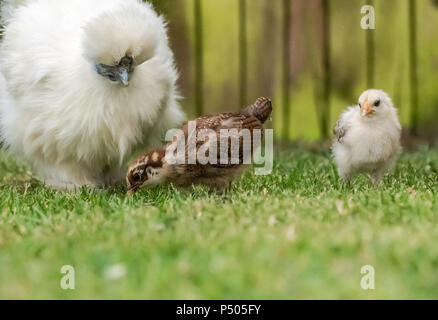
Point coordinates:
[(367, 109), (132, 191)]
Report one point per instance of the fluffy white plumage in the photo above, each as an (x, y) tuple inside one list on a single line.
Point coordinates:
[(73, 124), (367, 137), (9, 6)]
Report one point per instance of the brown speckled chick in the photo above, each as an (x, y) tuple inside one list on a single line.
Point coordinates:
[(155, 168)]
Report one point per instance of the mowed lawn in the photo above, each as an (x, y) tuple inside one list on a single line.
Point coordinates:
[(296, 234)]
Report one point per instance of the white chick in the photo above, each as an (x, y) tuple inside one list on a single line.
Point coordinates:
[(85, 84), (368, 137)]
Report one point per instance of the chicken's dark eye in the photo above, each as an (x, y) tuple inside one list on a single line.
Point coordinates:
[(360, 106), (137, 175), (377, 103)]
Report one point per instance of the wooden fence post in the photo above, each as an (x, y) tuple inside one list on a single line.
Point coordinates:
[(413, 64), (286, 67), (327, 70), (199, 58), (243, 55), (370, 53)]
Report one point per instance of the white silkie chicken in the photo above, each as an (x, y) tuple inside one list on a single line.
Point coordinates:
[(85, 84), (367, 137)]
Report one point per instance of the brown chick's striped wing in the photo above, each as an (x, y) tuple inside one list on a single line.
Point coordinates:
[(211, 122), (233, 131), (236, 126)]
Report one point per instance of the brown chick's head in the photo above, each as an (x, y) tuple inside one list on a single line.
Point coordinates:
[(145, 171)]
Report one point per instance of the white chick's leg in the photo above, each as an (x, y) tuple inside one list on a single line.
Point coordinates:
[(379, 172), (345, 173)]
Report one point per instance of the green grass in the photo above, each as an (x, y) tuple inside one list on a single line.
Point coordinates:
[(298, 233)]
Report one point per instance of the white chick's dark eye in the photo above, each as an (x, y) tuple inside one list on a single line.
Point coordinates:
[(377, 103), (360, 106)]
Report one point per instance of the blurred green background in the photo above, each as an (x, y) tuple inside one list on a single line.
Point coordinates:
[(229, 52)]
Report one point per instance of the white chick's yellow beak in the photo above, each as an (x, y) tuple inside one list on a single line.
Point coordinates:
[(367, 109)]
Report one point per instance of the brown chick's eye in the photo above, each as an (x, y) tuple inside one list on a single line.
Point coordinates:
[(360, 106), (377, 103)]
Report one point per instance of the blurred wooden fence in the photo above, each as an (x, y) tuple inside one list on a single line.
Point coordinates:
[(324, 93), (324, 97)]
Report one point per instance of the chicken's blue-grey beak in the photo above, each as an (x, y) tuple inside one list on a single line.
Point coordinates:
[(124, 76), (120, 73)]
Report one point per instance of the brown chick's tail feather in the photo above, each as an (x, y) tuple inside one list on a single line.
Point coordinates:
[(261, 109)]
